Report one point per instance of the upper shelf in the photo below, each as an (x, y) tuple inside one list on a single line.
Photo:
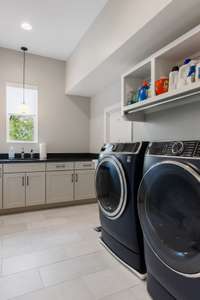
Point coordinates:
[(160, 64)]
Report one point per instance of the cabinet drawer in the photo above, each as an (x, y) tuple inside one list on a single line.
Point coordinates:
[(22, 168), (60, 166), (81, 165)]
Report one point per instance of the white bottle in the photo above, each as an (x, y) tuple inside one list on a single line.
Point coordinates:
[(173, 78), (197, 75), (43, 151), (191, 73), (183, 73), (11, 153)]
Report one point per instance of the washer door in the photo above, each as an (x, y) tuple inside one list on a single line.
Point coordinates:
[(169, 210), (111, 187)]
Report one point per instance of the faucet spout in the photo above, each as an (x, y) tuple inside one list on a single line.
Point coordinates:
[(22, 154)]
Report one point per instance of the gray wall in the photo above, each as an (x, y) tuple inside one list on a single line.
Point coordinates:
[(182, 122), (63, 121), (109, 96)]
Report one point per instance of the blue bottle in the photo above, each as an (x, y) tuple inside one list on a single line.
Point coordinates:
[(143, 91)]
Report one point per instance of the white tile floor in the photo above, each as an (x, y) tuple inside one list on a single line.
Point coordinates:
[(55, 255)]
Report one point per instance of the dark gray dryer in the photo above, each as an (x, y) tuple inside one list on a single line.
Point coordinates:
[(169, 211)]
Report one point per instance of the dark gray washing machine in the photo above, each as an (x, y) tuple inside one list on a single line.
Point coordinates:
[(118, 175)]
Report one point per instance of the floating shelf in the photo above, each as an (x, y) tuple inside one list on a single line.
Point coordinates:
[(160, 64)]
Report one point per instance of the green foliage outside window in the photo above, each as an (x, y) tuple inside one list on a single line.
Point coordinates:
[(21, 128)]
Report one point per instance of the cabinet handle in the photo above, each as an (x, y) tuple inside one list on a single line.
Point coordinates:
[(22, 180), (87, 165), (60, 166), (72, 177), (76, 177), (27, 180)]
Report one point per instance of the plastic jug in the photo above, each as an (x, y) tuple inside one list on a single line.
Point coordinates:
[(197, 76), (173, 78), (183, 73)]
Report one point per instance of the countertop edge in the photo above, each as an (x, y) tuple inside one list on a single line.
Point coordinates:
[(51, 158)]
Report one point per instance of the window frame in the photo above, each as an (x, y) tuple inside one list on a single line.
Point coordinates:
[(35, 116)]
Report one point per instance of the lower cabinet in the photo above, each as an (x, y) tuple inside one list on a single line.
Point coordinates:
[(84, 184), (35, 188), (14, 190), (59, 186), (23, 189), (26, 185)]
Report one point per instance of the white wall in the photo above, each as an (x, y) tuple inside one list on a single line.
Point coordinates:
[(118, 21), (63, 121), (106, 98), (179, 123)]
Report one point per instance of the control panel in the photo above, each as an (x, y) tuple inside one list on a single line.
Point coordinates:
[(121, 147), (175, 148)]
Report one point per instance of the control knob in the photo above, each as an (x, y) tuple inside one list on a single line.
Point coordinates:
[(177, 148)]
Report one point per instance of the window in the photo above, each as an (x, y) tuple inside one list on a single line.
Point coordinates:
[(21, 127)]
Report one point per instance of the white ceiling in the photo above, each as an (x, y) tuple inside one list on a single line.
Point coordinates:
[(58, 25)]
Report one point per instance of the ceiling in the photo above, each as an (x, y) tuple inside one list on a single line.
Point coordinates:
[(58, 25)]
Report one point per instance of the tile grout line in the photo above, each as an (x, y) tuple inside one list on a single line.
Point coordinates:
[(38, 270), (47, 265)]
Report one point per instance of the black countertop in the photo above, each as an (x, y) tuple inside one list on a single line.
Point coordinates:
[(51, 157)]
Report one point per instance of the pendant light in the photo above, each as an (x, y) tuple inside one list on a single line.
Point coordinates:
[(23, 108)]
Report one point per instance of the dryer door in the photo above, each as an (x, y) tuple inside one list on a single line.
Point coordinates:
[(169, 210), (111, 187)]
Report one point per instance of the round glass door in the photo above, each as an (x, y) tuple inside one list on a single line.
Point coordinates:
[(169, 210), (111, 187)]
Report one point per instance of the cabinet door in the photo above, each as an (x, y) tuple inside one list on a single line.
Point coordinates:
[(84, 184), (14, 190), (35, 188), (59, 186)]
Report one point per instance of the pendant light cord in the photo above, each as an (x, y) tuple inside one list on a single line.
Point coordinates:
[(24, 68), (24, 49)]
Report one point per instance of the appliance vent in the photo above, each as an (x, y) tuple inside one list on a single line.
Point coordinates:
[(189, 148), (131, 147), (197, 151), (119, 147), (126, 147), (162, 148), (168, 149)]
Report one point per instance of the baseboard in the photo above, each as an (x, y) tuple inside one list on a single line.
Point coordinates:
[(8, 211)]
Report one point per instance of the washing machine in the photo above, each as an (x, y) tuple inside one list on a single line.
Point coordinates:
[(118, 175), (169, 212)]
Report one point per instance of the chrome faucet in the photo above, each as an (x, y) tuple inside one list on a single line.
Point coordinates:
[(22, 153), (32, 153)]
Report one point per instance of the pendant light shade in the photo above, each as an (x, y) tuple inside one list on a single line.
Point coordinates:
[(23, 107)]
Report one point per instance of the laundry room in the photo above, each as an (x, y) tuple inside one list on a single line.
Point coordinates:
[(99, 150)]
